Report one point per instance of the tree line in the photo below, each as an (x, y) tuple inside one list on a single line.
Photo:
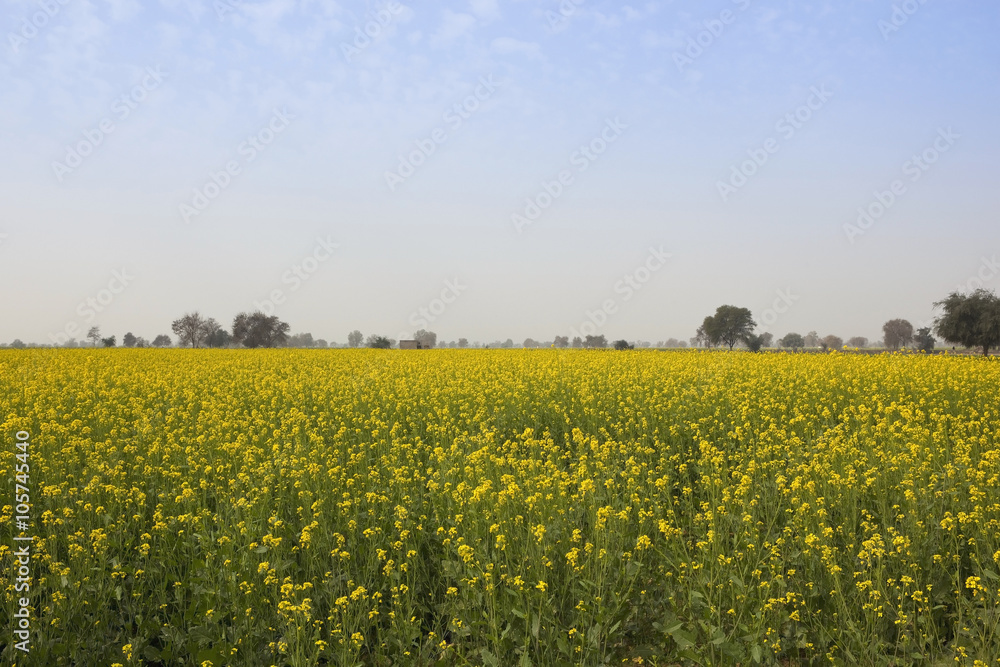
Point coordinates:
[(970, 320)]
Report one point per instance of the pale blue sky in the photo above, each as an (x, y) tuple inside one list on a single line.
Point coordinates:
[(310, 123)]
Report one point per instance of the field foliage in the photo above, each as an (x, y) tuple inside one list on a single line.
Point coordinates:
[(505, 507)]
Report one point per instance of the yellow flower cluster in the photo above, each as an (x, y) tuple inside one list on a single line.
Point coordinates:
[(311, 507)]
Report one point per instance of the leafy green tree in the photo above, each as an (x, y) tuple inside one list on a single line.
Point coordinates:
[(108, 342), (163, 340), (378, 342), (972, 320), (729, 325), (129, 339), (219, 338), (259, 330), (923, 340), (755, 342), (792, 340), (595, 341), (623, 345), (355, 338)]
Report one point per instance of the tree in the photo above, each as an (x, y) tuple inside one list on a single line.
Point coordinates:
[(972, 320), (256, 329), (18, 344), (210, 332), (729, 325), (94, 335), (219, 338), (301, 340), (163, 340), (191, 329), (623, 345), (530, 343), (792, 340), (767, 338), (857, 341), (128, 340), (108, 342), (355, 338), (701, 337), (426, 339), (463, 343), (577, 341), (561, 341), (378, 342), (141, 342), (755, 341), (923, 340), (321, 342), (832, 342), (898, 333), (811, 339), (595, 341)]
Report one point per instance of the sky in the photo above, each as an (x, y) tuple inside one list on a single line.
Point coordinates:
[(494, 170)]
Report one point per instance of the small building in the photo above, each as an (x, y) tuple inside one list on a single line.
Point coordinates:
[(412, 345)]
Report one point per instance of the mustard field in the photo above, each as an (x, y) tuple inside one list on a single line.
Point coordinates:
[(501, 507)]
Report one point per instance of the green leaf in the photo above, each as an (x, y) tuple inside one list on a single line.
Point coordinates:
[(756, 653), (683, 638), (489, 659)]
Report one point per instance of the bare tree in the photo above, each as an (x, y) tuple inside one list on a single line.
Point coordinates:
[(898, 333), (94, 335), (190, 329), (427, 339), (832, 342)]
